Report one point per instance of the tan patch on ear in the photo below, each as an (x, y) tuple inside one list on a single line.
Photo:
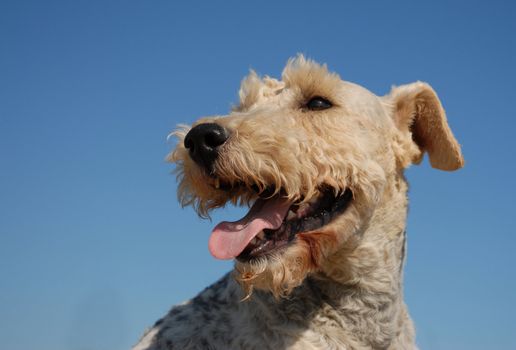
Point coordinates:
[(418, 113)]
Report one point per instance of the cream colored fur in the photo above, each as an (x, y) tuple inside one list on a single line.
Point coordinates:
[(339, 287)]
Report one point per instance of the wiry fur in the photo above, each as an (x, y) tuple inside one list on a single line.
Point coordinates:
[(336, 287)]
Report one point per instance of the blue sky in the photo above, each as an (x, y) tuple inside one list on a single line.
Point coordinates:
[(93, 244)]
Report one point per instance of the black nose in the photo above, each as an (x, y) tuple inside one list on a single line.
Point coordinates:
[(203, 142)]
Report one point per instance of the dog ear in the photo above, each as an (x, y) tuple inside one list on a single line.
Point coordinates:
[(418, 114)]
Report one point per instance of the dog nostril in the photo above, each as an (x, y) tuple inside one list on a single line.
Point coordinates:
[(188, 143), (203, 141)]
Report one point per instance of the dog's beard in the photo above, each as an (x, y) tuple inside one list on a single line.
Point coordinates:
[(278, 274)]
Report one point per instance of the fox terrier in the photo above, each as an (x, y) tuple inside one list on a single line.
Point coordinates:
[(319, 256)]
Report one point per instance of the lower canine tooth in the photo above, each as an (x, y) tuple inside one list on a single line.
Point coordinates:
[(217, 183), (260, 235), (313, 200)]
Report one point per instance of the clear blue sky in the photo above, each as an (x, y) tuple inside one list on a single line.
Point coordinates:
[(93, 245)]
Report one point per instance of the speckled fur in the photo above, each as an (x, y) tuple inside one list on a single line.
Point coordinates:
[(338, 287)]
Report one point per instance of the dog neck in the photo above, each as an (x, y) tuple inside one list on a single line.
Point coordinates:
[(365, 293)]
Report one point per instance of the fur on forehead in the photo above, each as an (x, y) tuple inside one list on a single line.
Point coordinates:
[(305, 77)]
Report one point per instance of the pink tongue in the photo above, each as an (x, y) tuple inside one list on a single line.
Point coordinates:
[(229, 239)]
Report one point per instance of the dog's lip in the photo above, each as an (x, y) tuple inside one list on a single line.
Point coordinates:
[(239, 187), (299, 219), (263, 192)]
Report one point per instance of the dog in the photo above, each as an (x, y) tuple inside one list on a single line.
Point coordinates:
[(319, 257)]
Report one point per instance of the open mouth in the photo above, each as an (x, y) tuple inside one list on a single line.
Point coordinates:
[(273, 223)]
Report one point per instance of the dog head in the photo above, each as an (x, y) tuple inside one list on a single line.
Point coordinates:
[(313, 156)]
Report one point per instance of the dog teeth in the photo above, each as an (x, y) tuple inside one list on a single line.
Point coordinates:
[(303, 210), (303, 207), (217, 183), (291, 215), (314, 200), (258, 238)]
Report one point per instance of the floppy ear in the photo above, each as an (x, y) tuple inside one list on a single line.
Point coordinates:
[(418, 114)]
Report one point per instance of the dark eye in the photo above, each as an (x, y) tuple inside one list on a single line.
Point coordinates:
[(318, 103)]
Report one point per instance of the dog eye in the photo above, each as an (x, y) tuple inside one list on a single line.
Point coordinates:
[(318, 103)]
